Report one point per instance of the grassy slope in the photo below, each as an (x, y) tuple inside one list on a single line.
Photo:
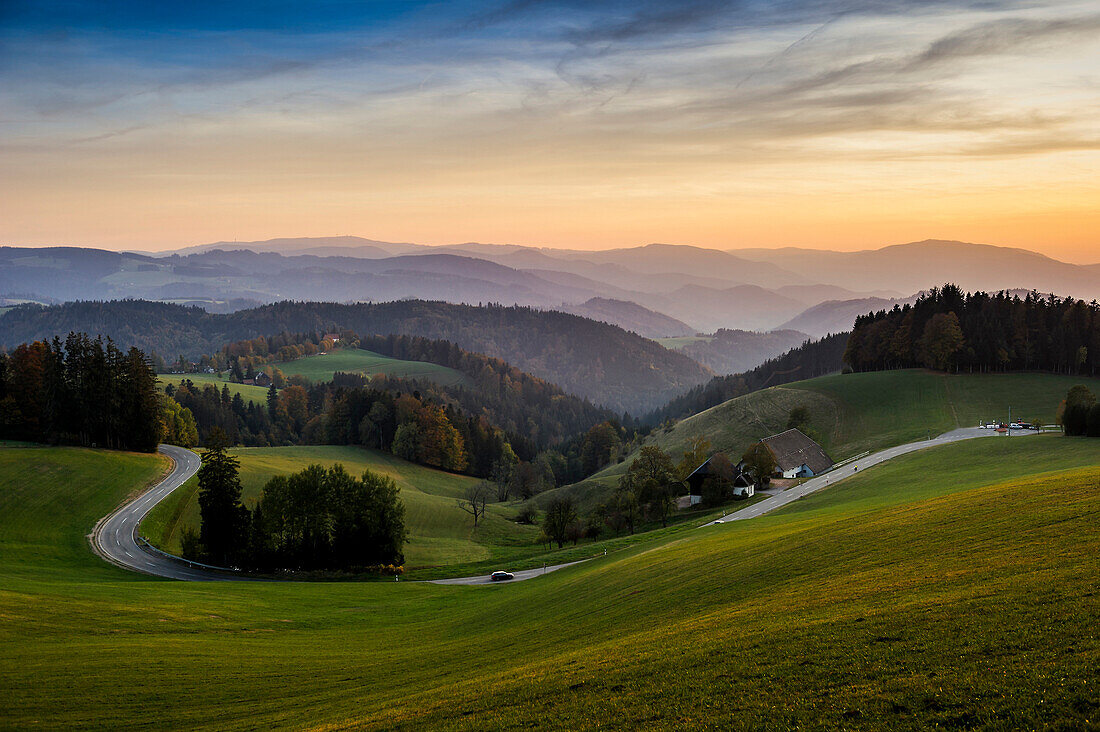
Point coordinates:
[(443, 541), (249, 393), (972, 602), (355, 360), (441, 533), (675, 344), (853, 413), (321, 368)]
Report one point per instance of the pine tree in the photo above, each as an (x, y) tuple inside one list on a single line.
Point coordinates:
[(224, 528)]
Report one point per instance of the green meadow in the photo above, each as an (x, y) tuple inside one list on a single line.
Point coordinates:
[(951, 588), (443, 541), (248, 392), (675, 344), (854, 413), (321, 367), (441, 533)]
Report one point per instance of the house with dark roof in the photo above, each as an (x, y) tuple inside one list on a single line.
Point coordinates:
[(796, 455), (743, 486)]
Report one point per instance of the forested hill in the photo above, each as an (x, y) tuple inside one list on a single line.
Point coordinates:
[(602, 362), (813, 358), (948, 330)]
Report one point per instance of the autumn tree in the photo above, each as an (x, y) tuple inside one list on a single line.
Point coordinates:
[(653, 479)]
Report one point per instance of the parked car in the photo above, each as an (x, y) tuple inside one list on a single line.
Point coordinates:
[(501, 576)]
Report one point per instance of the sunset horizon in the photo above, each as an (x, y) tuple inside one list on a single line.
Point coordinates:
[(846, 126)]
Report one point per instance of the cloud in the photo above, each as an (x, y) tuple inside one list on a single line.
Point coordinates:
[(1008, 35)]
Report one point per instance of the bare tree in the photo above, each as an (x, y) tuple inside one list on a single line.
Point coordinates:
[(475, 499), (560, 513)]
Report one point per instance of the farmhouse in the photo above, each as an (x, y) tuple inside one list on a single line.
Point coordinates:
[(742, 482), (334, 337), (796, 455)]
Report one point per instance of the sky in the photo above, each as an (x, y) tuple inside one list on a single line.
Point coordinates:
[(573, 123)]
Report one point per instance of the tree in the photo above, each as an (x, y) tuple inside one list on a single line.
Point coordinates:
[(177, 423), (695, 456), (325, 518), (1075, 416), (224, 520), (474, 500), (601, 444), (718, 486), (798, 418), (760, 462), (653, 479), (942, 341), (561, 513), (501, 473)]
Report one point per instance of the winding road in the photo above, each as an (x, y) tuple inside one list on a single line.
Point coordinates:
[(115, 537)]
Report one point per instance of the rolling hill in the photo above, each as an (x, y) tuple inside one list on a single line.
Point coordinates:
[(918, 595), (604, 363), (440, 533), (851, 414), (630, 316)]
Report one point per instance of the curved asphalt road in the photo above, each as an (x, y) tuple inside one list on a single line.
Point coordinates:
[(815, 484), (115, 537)]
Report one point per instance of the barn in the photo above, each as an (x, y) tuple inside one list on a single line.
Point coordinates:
[(796, 455)]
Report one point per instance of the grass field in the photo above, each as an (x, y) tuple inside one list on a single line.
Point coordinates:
[(320, 368), (248, 392), (675, 344), (359, 361), (854, 413), (442, 539), (441, 533), (912, 597)]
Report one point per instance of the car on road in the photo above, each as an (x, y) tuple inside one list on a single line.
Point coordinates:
[(501, 576)]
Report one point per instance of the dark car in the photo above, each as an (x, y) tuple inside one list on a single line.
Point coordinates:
[(501, 576)]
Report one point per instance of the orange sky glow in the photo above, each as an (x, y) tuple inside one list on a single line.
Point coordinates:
[(847, 131)]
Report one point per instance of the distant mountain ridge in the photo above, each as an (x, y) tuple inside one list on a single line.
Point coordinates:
[(630, 316), (604, 363), (706, 289)]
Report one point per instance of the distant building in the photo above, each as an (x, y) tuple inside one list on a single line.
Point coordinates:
[(742, 482), (796, 455), (262, 379), (334, 337)]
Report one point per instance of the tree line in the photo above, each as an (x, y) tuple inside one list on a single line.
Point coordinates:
[(317, 519), (82, 391), (949, 330)]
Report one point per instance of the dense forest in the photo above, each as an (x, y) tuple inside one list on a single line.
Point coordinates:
[(813, 358), (949, 330), (80, 391), (508, 397), (601, 362)]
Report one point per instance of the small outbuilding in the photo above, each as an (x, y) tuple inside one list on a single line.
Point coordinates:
[(796, 455)]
